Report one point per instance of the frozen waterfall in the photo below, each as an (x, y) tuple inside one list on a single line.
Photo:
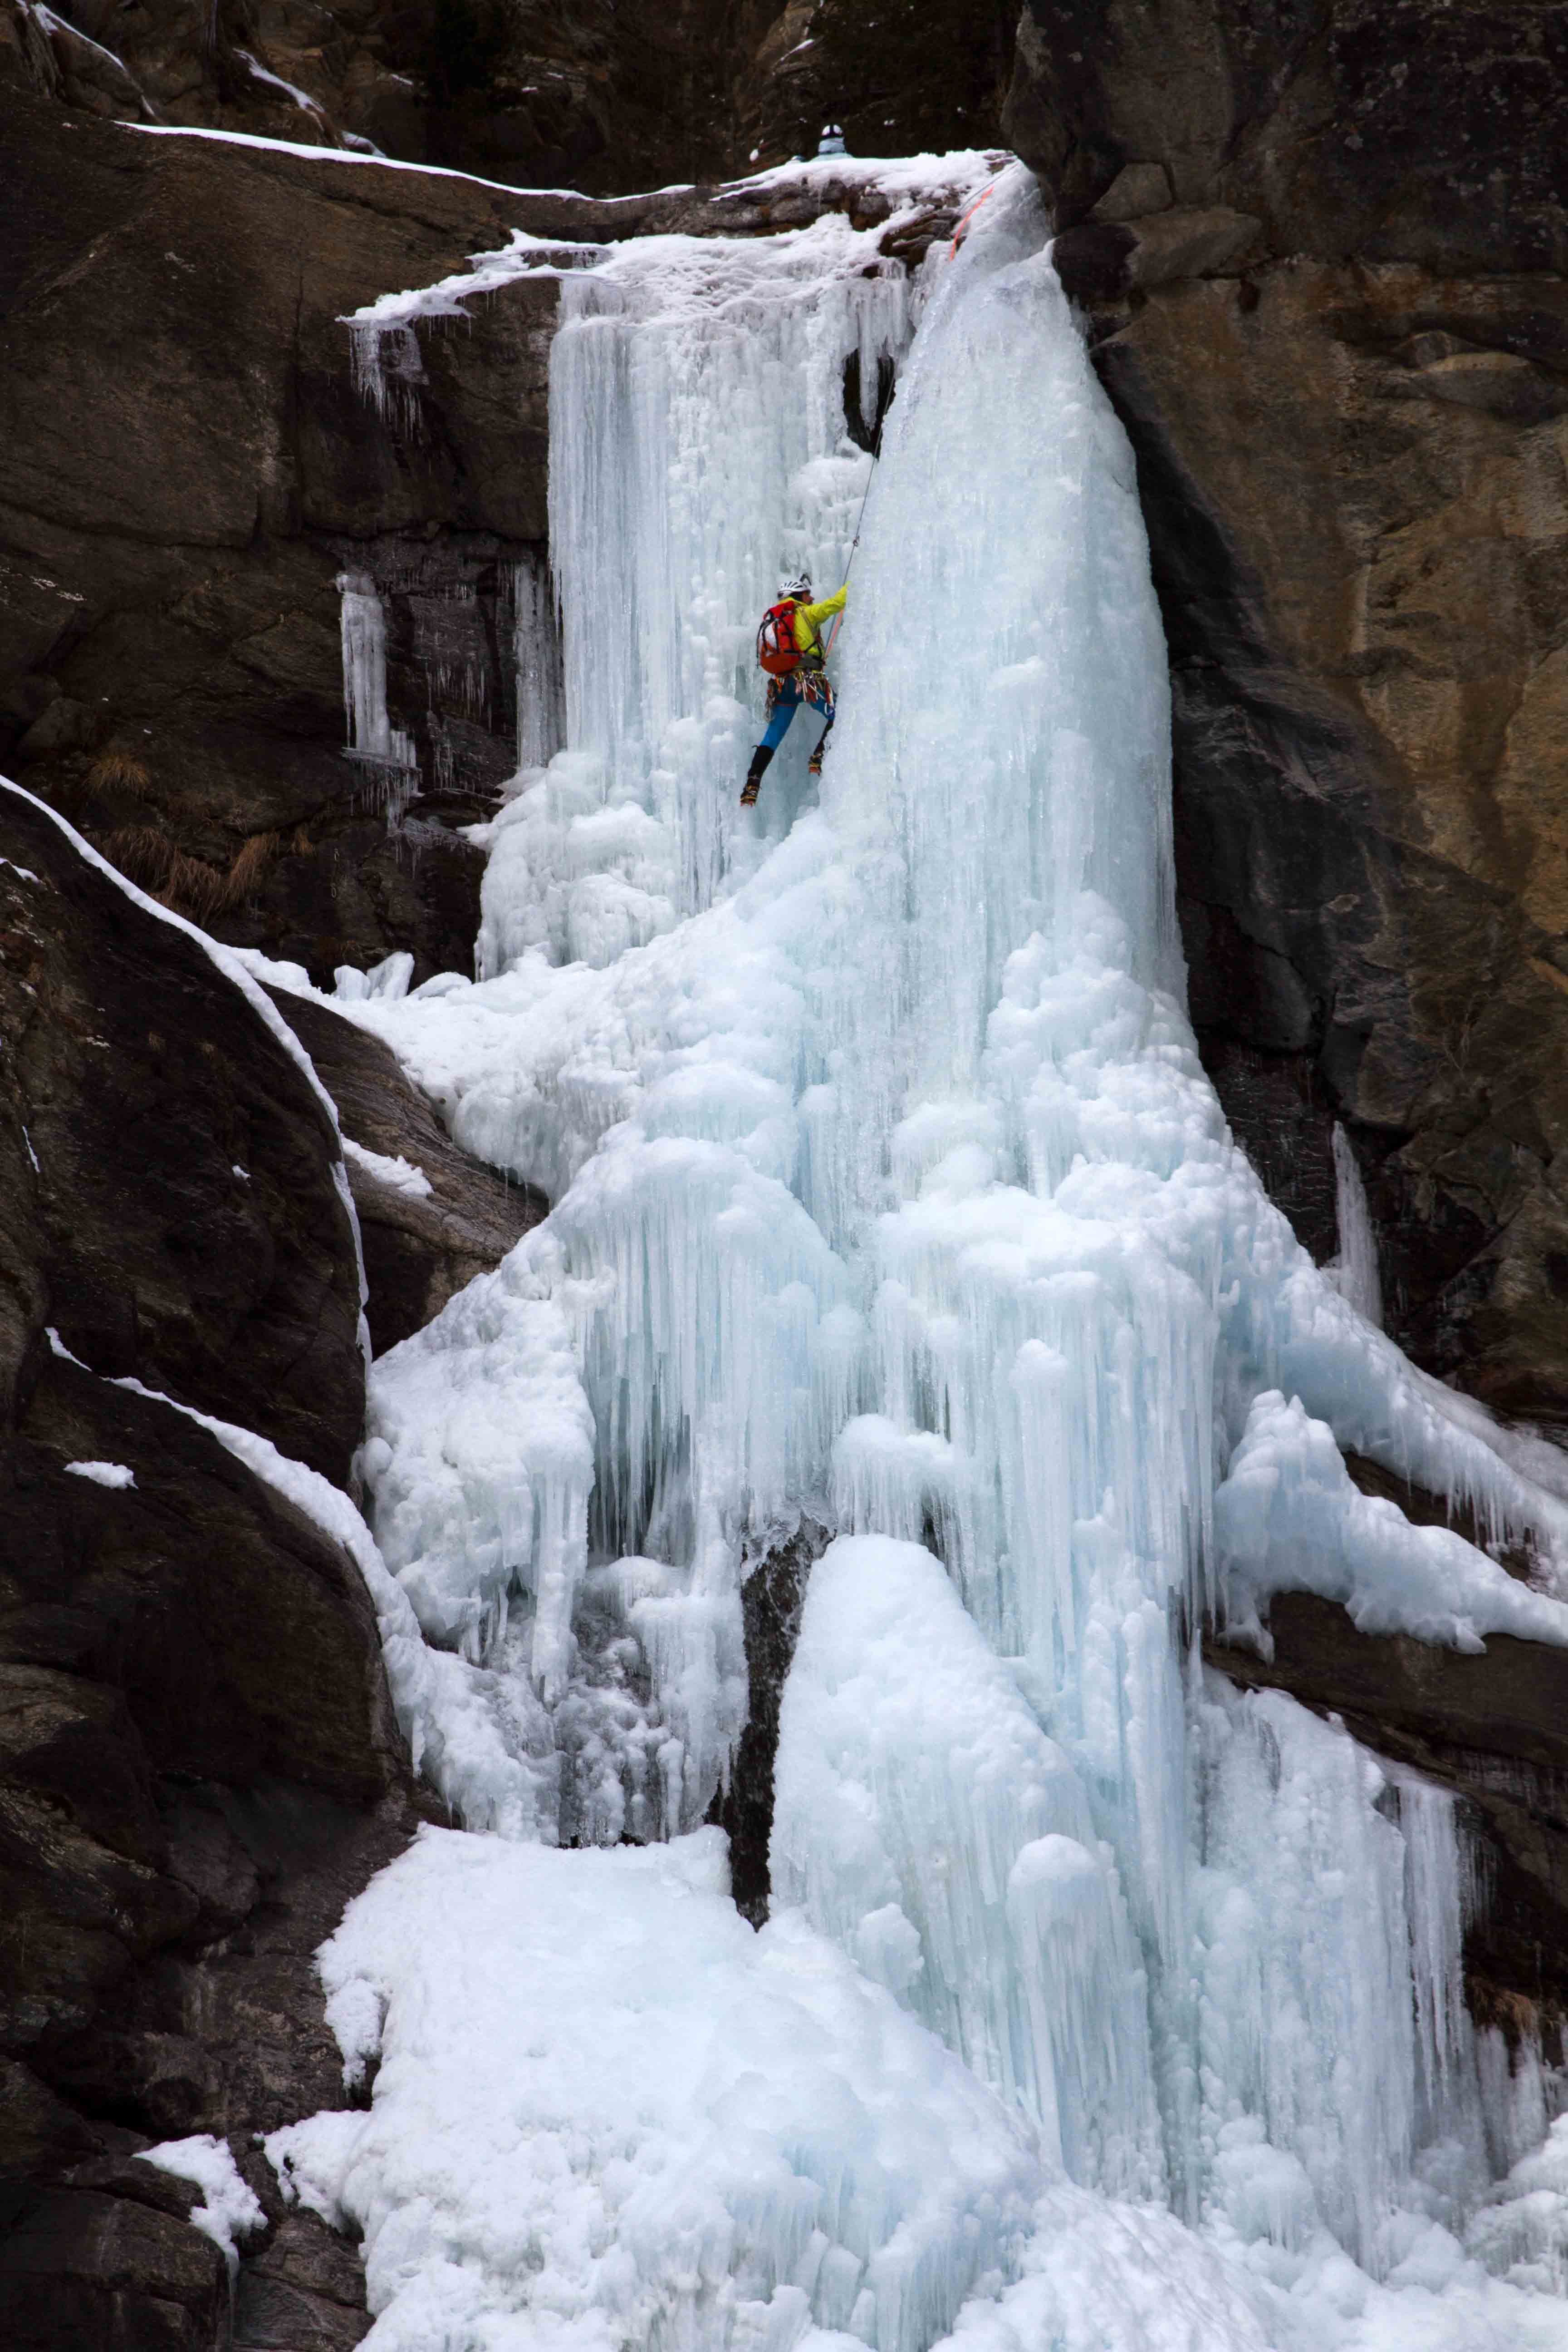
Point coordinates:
[(1103, 2006)]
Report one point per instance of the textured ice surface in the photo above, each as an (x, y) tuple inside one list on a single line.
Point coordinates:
[(536, 646), (481, 1446), (1304, 1945), (1103, 2277), (1522, 2231), (889, 1190), (924, 1819)]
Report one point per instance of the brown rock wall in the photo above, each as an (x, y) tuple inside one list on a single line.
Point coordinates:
[(1323, 253)]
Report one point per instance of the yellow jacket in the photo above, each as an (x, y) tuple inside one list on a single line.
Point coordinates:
[(808, 619)]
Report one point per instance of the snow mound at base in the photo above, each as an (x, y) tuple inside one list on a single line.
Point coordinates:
[(608, 2112)]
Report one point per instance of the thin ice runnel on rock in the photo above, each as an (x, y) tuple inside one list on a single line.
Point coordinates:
[(889, 1188), (386, 752)]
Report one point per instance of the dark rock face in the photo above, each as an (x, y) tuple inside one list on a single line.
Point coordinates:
[(772, 1599), (198, 1761), (1392, 129), (899, 77), (1322, 252), (531, 93), (418, 1252), (169, 1189), (304, 2293), (100, 2272)]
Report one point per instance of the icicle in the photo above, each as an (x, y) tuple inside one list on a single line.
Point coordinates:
[(1354, 1269), (538, 654), (386, 751), (1307, 2053), (1440, 1900), (388, 370)]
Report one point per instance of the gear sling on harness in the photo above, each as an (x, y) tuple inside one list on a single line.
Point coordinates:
[(785, 696)]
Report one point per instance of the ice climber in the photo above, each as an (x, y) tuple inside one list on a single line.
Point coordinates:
[(791, 651)]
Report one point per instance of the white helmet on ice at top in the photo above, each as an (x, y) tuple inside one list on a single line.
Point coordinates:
[(798, 584)]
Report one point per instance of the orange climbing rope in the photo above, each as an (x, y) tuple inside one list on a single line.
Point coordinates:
[(968, 216)]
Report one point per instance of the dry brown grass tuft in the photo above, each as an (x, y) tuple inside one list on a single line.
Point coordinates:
[(120, 772), (188, 885), (253, 858), (141, 852)]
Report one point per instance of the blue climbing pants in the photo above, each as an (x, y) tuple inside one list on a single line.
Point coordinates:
[(785, 696)]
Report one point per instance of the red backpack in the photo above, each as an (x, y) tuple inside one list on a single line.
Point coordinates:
[(776, 647)]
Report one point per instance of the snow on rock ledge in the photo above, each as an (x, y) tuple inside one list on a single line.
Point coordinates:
[(230, 2209), (1289, 1519)]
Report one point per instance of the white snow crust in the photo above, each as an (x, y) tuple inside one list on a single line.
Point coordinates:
[(103, 1474), (231, 2208), (390, 1169)]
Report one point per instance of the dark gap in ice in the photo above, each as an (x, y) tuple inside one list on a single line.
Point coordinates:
[(772, 1599)]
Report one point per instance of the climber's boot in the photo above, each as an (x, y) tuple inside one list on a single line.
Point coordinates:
[(760, 758), (813, 765)]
